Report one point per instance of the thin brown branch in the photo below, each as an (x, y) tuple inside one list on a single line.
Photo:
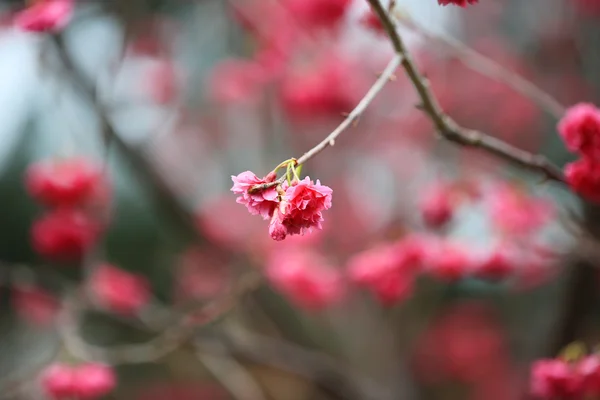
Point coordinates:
[(490, 68), (446, 126), (358, 110)]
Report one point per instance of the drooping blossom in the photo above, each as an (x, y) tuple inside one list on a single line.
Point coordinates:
[(555, 379), (260, 202), (45, 16), (579, 128), (583, 176), (69, 182), (301, 209), (305, 278), (118, 290), (64, 234)]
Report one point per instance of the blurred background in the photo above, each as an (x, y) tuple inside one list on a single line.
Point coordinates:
[(180, 290)]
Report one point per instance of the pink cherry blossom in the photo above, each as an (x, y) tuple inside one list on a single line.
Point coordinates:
[(260, 202), (580, 130), (305, 278), (583, 176), (58, 381), (302, 205), (554, 379), (436, 205), (45, 16), (94, 380), (517, 212), (118, 290), (449, 261)]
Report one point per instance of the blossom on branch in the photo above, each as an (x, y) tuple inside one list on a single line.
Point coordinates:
[(293, 208)]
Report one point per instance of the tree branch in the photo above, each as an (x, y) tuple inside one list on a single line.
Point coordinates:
[(490, 68), (358, 110), (446, 126)]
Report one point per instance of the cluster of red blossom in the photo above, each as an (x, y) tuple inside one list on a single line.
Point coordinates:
[(78, 195), (569, 380), (293, 208), (580, 130), (84, 382), (389, 270)]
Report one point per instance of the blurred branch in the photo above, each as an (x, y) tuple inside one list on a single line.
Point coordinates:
[(330, 375), (490, 68), (230, 373), (171, 338), (446, 126), (136, 155)]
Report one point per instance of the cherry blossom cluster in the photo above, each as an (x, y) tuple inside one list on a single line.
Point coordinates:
[(76, 194), (293, 207), (82, 382), (390, 269), (561, 378), (580, 130), (45, 16)]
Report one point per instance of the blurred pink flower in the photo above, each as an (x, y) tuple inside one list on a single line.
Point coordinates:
[(34, 304), (580, 130), (64, 234), (94, 380), (583, 176), (235, 81), (516, 212), (553, 378), (45, 16), (305, 278), (118, 290), (67, 182), (387, 270)]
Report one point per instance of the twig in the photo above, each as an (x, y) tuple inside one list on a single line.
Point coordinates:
[(169, 340), (446, 126), (350, 119), (229, 372), (490, 68), (358, 110)]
